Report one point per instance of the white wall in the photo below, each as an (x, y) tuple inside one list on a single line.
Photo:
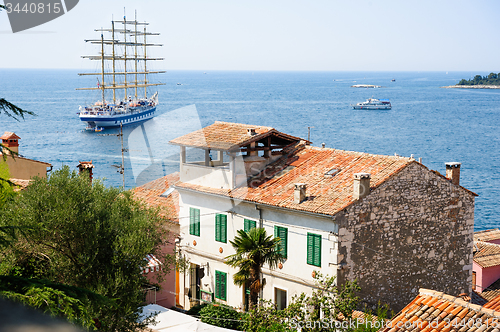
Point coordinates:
[(296, 274)]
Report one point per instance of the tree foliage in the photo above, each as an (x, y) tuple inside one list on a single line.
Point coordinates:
[(491, 79), (221, 315), (88, 236), (253, 249), (327, 303)]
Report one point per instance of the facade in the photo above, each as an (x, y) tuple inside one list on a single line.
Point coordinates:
[(21, 169), (161, 195), (387, 221)]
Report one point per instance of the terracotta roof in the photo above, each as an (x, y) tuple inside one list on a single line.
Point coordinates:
[(491, 291), (22, 184), (474, 298), (151, 193), (487, 235), (306, 164), (227, 136), (494, 304), (487, 255), (9, 135), (436, 312)]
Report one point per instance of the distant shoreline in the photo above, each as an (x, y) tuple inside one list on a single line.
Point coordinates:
[(472, 87)]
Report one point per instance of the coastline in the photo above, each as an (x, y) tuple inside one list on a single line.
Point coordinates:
[(471, 87)]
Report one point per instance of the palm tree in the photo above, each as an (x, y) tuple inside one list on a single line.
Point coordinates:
[(253, 249)]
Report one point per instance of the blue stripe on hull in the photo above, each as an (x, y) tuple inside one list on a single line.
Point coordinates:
[(114, 121)]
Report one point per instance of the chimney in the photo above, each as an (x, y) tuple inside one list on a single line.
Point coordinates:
[(361, 185), (453, 172), (86, 166), (10, 140), (323, 145), (299, 193), (251, 131)]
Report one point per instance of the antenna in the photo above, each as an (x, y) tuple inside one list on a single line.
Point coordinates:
[(120, 168), (309, 133)]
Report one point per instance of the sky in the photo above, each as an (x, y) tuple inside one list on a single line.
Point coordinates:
[(288, 35)]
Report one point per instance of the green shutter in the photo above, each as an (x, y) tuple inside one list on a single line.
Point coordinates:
[(314, 249), (220, 285), (197, 222), (217, 227), (223, 231), (221, 228), (249, 224), (282, 233), (194, 221)]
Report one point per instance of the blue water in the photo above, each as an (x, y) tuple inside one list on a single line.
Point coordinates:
[(439, 125)]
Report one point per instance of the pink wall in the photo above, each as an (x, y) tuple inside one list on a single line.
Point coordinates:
[(166, 295), (485, 277)]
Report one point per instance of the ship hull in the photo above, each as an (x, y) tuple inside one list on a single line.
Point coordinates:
[(114, 120), (364, 107)]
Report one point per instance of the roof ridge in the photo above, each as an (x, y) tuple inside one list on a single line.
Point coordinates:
[(360, 153), (241, 124)]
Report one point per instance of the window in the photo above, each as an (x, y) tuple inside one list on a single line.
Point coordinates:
[(249, 224), (282, 233), (280, 298), (221, 228), (314, 249), (194, 221), (220, 285)]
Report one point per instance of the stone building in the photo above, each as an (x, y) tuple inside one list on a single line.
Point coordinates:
[(387, 221)]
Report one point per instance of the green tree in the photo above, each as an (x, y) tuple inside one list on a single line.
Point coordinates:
[(253, 249), (221, 315), (88, 236)]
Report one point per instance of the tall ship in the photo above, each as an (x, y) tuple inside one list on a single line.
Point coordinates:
[(373, 104), (123, 79)]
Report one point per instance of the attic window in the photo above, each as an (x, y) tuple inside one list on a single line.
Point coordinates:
[(331, 173), (168, 192)]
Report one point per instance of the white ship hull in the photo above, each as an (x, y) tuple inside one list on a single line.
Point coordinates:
[(110, 119)]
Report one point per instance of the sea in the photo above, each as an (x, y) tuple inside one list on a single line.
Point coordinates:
[(426, 121)]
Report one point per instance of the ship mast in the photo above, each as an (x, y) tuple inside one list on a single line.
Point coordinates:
[(102, 68), (136, 42), (125, 54), (113, 44), (135, 62)]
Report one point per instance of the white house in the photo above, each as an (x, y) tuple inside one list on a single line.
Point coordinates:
[(328, 206)]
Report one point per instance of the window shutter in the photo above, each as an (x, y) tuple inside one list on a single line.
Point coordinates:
[(223, 232), (249, 224), (317, 250), (197, 222), (223, 286), (217, 284), (282, 233), (191, 221), (310, 248), (217, 227)]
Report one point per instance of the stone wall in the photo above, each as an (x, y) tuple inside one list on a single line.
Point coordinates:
[(414, 231)]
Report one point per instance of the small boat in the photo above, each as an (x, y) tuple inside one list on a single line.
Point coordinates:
[(393, 80), (95, 128), (128, 79), (373, 104)]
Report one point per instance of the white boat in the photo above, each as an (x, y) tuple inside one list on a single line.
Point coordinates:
[(125, 52), (373, 104)]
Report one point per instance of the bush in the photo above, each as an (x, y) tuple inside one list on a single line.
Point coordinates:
[(195, 311), (222, 316)]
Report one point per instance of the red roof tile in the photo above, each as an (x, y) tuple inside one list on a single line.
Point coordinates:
[(325, 194), (487, 255), (151, 193), (423, 317), (487, 235), (227, 136), (9, 135)]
